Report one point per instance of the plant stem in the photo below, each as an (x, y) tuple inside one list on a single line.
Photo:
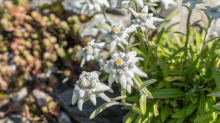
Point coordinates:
[(187, 31), (104, 13), (203, 46), (148, 45)]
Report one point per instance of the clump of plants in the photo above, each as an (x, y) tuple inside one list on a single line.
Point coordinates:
[(37, 52), (168, 78)]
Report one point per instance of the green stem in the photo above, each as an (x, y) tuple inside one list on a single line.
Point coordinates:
[(187, 31), (203, 46)]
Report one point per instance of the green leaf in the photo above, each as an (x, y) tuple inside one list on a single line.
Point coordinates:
[(215, 94), (194, 99), (210, 104), (188, 97), (147, 57), (168, 93), (173, 78), (143, 103), (136, 109), (189, 9), (146, 83), (134, 6), (180, 120), (133, 99), (132, 46), (195, 23), (164, 113), (100, 109), (216, 77), (191, 108), (202, 103), (179, 114), (155, 107), (164, 68), (159, 36), (191, 69), (139, 34), (123, 93), (173, 103), (128, 115), (150, 4), (179, 33), (182, 85), (130, 118), (206, 118), (118, 98)]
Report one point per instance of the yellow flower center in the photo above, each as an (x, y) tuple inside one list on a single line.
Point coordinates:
[(88, 47), (84, 83), (142, 15), (214, 9), (119, 62), (116, 30)]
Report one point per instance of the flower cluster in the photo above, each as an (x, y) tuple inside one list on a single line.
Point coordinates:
[(122, 68), (144, 19), (91, 52), (89, 5), (117, 35), (88, 87)]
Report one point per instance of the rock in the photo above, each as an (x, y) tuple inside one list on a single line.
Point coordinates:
[(196, 15), (110, 115), (64, 117), (35, 4), (15, 118), (41, 97), (75, 6), (20, 95)]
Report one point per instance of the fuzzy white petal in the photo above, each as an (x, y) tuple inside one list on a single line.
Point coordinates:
[(133, 12), (110, 79), (112, 46), (92, 97), (129, 80), (104, 97), (81, 53), (138, 72), (75, 97), (123, 81), (82, 62), (80, 103), (129, 88)]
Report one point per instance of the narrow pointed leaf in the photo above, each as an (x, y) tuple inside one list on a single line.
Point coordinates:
[(143, 103), (100, 109)]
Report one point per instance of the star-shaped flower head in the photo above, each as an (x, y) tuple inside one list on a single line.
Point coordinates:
[(144, 19), (91, 52), (138, 2), (193, 2), (89, 87), (94, 4), (117, 35), (166, 3), (122, 68), (215, 11)]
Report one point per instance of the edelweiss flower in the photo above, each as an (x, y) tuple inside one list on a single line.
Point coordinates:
[(193, 2), (139, 2), (117, 35), (215, 12), (144, 19), (122, 68), (91, 52), (89, 87), (166, 3), (94, 4)]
